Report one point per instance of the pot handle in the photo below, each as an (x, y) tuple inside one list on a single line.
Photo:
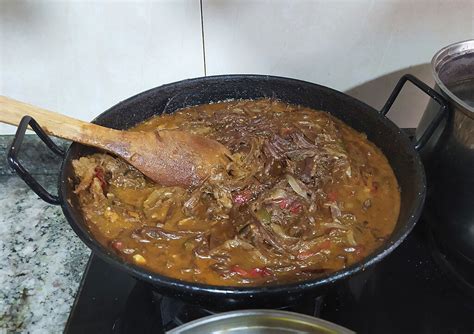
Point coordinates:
[(14, 162), (419, 143)]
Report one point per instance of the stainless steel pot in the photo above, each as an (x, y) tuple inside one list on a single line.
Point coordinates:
[(449, 157), (260, 321)]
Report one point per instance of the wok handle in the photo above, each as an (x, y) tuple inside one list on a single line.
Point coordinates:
[(419, 143), (14, 162)]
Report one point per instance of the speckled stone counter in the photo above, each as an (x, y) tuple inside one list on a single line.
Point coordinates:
[(41, 259)]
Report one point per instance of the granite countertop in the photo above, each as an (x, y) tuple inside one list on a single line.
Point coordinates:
[(41, 259)]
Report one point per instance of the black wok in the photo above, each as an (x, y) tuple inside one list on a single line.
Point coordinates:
[(398, 148)]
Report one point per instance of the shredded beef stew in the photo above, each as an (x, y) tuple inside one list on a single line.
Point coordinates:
[(303, 195)]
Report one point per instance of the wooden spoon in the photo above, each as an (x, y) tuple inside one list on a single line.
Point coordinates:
[(168, 157)]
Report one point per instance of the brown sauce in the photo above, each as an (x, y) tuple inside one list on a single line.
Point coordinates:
[(304, 195)]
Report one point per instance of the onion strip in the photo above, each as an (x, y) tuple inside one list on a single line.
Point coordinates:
[(350, 238), (296, 187)]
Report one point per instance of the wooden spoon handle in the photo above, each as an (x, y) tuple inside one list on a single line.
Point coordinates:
[(12, 111)]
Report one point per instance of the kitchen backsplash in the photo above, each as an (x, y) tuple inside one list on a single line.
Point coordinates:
[(81, 57)]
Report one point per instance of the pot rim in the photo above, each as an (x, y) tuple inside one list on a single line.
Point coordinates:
[(291, 320), (160, 280), (442, 57)]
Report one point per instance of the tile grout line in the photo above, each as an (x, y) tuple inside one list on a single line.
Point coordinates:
[(202, 37)]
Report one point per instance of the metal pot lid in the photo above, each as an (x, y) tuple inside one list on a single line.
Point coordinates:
[(259, 321)]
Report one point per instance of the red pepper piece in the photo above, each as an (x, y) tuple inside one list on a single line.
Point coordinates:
[(295, 208), (375, 187), (242, 197), (284, 203), (326, 244), (118, 245), (99, 174), (240, 271), (252, 273), (304, 255), (260, 272)]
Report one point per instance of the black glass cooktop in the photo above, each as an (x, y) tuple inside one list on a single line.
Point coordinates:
[(408, 292)]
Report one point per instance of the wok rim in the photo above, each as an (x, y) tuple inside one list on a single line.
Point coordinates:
[(160, 280)]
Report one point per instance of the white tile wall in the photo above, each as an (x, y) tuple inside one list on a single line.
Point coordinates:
[(81, 57), (337, 43)]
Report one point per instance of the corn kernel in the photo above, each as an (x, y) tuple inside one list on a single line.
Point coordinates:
[(139, 259)]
